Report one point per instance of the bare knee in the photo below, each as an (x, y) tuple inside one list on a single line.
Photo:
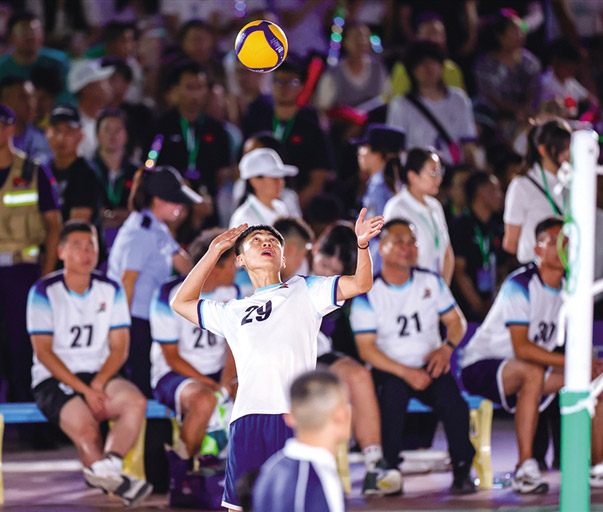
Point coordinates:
[(85, 434), (201, 403)]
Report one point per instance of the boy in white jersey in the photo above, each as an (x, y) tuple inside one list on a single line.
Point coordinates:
[(78, 322), (189, 364), (272, 334), (510, 361), (396, 325)]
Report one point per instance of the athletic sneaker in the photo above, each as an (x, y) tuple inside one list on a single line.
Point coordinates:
[(528, 480), (133, 491), (382, 481), (596, 475), (103, 474)]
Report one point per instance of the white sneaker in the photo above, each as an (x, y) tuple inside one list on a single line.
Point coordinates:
[(596, 475), (103, 475), (133, 491), (528, 480), (382, 481)]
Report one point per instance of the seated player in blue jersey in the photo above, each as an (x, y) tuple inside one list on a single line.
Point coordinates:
[(189, 364), (396, 325), (78, 322), (510, 358), (272, 333), (302, 477)]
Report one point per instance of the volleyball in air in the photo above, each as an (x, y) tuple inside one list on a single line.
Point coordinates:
[(261, 46)]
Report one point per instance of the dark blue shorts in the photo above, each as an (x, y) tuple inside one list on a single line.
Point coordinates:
[(167, 391), (252, 440), (484, 378)]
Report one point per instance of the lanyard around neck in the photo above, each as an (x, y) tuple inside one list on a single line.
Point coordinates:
[(432, 227), (483, 243), (281, 129), (556, 209), (114, 189), (192, 142)]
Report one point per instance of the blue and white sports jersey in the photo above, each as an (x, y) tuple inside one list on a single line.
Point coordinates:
[(204, 350), (406, 317), (79, 324), (272, 335), (299, 478), (522, 300), (145, 245)]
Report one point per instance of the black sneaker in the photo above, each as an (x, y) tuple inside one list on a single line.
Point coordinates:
[(463, 485), (133, 491)]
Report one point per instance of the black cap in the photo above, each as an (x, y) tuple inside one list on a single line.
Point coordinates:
[(166, 183), (383, 137), (65, 114), (7, 116)]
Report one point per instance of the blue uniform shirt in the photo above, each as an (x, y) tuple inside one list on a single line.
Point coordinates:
[(145, 245), (376, 195)]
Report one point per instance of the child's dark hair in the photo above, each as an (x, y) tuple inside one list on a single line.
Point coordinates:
[(415, 160), (339, 240), (74, 226), (252, 229), (554, 135), (548, 223)]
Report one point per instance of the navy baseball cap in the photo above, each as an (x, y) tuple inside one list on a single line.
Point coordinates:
[(7, 116), (383, 137), (65, 114), (166, 183)]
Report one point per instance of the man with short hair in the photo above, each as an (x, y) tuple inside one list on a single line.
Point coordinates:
[(299, 238), (78, 322), (190, 364), (397, 330), (510, 359), (272, 334), (321, 417)]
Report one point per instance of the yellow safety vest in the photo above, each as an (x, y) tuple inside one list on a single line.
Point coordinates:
[(21, 226)]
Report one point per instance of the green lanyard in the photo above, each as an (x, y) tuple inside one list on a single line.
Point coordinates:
[(113, 194), (483, 243), (256, 211), (192, 143), (282, 130), (433, 229), (556, 209)]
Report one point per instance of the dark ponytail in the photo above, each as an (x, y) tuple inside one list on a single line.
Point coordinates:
[(392, 172), (141, 197), (554, 135)]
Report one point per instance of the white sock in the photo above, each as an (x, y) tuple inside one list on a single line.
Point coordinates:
[(372, 453), (117, 463), (103, 468)]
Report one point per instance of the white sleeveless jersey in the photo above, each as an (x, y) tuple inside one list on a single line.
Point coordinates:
[(405, 317), (523, 299), (79, 324), (272, 335), (204, 350)]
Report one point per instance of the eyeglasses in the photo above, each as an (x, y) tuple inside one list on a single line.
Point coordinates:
[(295, 82), (434, 173)]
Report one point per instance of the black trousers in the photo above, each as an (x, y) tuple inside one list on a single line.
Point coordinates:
[(442, 395), (138, 365)]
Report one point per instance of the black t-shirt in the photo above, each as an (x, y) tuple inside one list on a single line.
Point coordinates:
[(114, 194), (48, 197), (78, 187), (305, 144)]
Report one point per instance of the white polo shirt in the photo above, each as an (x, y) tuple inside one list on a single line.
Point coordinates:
[(253, 211)]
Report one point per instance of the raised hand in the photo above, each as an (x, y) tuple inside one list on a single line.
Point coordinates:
[(226, 240), (367, 228)]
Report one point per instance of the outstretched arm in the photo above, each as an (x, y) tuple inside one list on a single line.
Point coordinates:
[(186, 298), (362, 280)]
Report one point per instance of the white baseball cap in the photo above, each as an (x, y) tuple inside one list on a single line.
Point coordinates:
[(264, 162), (86, 72)]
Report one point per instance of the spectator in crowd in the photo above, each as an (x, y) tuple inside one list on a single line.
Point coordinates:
[(37, 223), (48, 84), (452, 191), (422, 175), (396, 325), (296, 128), (143, 256), (430, 27), (477, 242), (334, 254), (197, 42), (534, 195), (504, 163), (507, 74), (264, 174), (433, 114), (79, 193), (320, 415), (359, 79), (194, 143), (114, 171), (558, 83), (78, 354), (511, 359), (299, 238), (88, 81), (19, 94), (189, 364), (26, 35)]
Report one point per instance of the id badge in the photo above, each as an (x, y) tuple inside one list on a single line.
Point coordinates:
[(485, 280)]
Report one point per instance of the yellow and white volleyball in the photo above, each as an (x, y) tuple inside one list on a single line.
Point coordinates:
[(261, 46)]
